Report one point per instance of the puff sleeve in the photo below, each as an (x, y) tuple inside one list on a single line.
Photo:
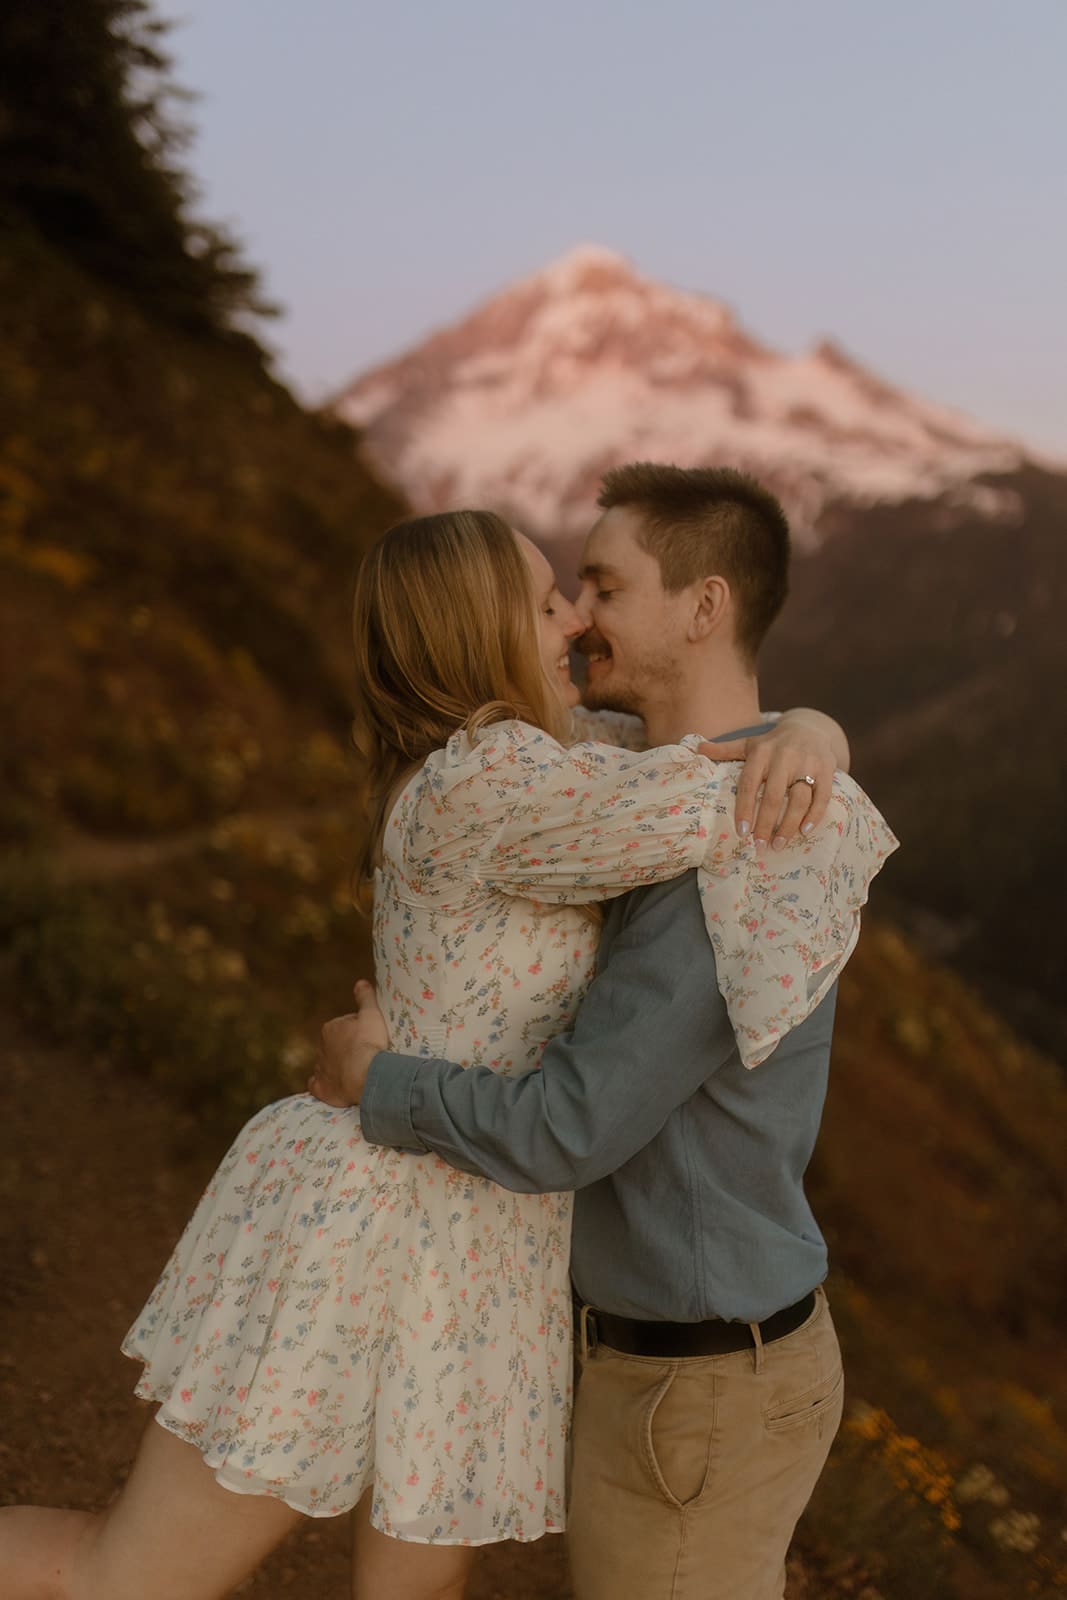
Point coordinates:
[(512, 810)]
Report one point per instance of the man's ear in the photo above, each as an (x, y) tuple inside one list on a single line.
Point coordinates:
[(712, 605)]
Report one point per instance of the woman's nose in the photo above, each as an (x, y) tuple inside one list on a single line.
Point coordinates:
[(573, 622)]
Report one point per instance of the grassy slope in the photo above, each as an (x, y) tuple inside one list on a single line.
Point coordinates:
[(940, 1181), (177, 540)]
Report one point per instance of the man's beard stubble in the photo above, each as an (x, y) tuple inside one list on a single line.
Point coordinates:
[(595, 698), (650, 676)]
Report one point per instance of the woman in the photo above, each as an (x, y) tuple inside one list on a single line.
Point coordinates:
[(345, 1326)]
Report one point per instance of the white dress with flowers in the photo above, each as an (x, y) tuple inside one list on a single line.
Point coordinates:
[(340, 1316)]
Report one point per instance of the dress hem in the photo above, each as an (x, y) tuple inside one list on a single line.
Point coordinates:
[(226, 1480)]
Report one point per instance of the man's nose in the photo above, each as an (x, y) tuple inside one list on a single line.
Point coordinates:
[(583, 608)]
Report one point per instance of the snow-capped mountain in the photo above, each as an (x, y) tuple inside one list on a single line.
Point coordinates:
[(523, 404)]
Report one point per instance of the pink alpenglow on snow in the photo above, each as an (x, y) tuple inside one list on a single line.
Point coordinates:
[(524, 403)]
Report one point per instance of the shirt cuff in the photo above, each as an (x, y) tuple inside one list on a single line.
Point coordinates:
[(385, 1110), (769, 720)]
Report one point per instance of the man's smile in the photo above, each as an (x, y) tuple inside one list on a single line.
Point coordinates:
[(594, 650)]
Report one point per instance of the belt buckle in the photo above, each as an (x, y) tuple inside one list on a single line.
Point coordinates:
[(588, 1340)]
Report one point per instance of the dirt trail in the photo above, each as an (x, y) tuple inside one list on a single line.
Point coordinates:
[(97, 1177), (82, 856)]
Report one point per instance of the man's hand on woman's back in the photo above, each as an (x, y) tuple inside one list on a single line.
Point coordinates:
[(347, 1046)]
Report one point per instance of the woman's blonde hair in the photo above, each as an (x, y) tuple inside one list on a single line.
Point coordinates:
[(446, 634)]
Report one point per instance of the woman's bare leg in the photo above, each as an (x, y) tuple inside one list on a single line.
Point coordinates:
[(396, 1569), (173, 1533)]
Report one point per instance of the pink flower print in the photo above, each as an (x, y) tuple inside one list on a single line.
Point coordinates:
[(427, 994), (313, 1397), (187, 1395), (535, 969), (412, 1479), (251, 1156)]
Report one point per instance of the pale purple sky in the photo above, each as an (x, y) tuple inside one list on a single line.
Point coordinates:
[(894, 176)]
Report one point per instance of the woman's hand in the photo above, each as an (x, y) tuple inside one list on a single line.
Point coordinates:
[(802, 745)]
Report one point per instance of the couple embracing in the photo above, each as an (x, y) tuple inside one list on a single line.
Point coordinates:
[(606, 956)]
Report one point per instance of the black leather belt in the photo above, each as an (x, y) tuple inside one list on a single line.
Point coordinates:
[(673, 1340)]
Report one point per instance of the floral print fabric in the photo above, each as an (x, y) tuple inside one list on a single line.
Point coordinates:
[(338, 1316)]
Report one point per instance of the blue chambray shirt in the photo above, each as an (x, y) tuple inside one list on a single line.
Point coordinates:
[(688, 1167)]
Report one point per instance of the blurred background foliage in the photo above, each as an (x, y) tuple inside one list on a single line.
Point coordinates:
[(91, 141)]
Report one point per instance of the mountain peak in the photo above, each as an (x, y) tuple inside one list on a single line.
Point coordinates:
[(526, 401), (586, 266)]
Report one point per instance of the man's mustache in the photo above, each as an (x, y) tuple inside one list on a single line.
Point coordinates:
[(590, 643)]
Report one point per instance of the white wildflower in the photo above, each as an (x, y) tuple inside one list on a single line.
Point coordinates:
[(1017, 1530)]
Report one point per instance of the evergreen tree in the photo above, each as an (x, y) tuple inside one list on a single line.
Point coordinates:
[(90, 154)]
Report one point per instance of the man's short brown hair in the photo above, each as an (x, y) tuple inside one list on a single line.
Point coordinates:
[(699, 521)]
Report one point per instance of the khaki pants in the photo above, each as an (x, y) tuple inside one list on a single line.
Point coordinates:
[(689, 1476)]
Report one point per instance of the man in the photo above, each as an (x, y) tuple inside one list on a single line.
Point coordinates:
[(711, 1382)]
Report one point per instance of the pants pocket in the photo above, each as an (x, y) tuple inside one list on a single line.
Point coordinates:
[(814, 1405), (677, 1435)]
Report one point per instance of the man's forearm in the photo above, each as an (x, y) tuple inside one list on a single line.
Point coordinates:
[(604, 1090), (517, 1131)]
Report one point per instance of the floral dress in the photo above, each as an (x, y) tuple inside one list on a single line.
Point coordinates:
[(341, 1316)]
